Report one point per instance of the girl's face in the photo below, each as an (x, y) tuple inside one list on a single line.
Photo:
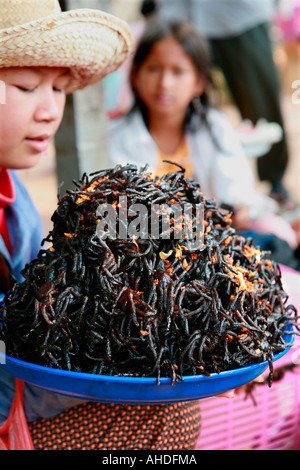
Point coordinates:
[(168, 80), (33, 109)]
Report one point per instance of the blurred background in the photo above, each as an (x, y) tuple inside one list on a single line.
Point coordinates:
[(81, 145)]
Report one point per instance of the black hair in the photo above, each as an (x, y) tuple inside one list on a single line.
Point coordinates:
[(194, 44), (148, 8)]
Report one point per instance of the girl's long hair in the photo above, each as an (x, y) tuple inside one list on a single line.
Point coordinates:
[(195, 45)]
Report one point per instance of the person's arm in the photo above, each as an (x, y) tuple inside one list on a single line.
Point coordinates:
[(233, 179), (240, 218)]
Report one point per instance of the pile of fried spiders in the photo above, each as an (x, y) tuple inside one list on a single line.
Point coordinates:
[(149, 306)]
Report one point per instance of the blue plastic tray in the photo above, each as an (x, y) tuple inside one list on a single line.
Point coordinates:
[(133, 390)]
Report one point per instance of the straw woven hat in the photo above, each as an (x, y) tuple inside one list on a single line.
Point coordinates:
[(37, 33)]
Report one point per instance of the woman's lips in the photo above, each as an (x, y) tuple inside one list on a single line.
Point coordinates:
[(163, 98), (38, 144)]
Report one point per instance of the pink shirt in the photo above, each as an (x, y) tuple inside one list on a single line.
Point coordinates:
[(7, 197)]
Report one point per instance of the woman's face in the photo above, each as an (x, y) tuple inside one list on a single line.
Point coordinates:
[(168, 80), (33, 110)]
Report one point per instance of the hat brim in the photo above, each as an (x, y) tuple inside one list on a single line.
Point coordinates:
[(90, 43)]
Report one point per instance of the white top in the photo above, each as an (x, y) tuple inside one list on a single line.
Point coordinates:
[(219, 18), (223, 173)]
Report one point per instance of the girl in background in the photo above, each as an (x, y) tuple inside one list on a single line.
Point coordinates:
[(171, 119)]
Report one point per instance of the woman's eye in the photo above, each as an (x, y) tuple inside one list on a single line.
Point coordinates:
[(26, 90), (178, 71), (153, 68), (61, 86)]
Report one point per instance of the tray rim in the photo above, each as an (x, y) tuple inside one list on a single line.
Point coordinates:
[(136, 390), (150, 380)]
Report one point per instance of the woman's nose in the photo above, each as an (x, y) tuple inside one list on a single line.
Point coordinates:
[(48, 108), (166, 79)]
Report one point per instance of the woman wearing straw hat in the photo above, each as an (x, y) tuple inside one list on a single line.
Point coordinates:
[(45, 54)]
